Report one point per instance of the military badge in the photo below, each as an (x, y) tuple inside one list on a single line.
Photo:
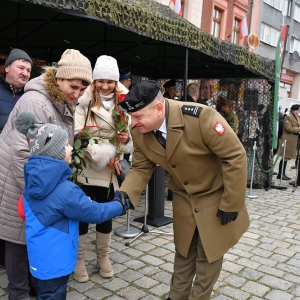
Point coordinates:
[(191, 110), (219, 128)]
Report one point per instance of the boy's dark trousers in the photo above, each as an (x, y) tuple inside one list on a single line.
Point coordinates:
[(52, 289)]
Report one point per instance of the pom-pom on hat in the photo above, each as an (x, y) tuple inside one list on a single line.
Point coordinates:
[(140, 96), (169, 83), (16, 54), (74, 65), (295, 107), (43, 138), (106, 67)]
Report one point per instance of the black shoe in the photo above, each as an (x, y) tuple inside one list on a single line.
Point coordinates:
[(274, 173), (33, 292), (293, 183), (284, 177), (294, 167)]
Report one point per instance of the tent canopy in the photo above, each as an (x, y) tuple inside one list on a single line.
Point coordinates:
[(144, 35)]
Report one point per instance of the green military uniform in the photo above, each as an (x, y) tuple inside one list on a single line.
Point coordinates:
[(204, 158), (232, 120)]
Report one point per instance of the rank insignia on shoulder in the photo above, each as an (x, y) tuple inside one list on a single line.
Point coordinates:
[(219, 128), (191, 110)]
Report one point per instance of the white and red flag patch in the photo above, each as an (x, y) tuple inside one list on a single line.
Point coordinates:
[(219, 128)]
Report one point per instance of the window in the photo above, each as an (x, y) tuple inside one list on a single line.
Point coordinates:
[(270, 2), (297, 13), (281, 5), (216, 23), (236, 32), (269, 35), (295, 45)]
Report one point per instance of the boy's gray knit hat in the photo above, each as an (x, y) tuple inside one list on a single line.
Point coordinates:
[(43, 138), (16, 54)]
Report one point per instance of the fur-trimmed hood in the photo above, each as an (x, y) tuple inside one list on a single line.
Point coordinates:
[(46, 84)]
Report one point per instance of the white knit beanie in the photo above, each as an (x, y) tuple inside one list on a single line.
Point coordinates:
[(106, 67), (74, 65)]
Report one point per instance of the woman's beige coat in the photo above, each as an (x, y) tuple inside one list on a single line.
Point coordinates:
[(98, 156), (291, 125), (208, 166)]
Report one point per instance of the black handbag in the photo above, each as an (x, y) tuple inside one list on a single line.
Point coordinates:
[(125, 168)]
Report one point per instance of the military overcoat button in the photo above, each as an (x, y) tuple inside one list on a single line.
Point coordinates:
[(185, 183), (196, 210)]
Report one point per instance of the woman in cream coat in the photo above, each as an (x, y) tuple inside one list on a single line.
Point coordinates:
[(95, 110)]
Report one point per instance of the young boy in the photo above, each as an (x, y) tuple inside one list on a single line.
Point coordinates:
[(53, 206)]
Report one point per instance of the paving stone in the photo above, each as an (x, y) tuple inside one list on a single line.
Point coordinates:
[(73, 295), (163, 277), (131, 293), (160, 289), (97, 294), (255, 288), (134, 264), (278, 295), (275, 282), (152, 260), (236, 281), (232, 267), (271, 271), (146, 282), (234, 293), (130, 275)]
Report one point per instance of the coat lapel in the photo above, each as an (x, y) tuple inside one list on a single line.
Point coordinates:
[(153, 144)]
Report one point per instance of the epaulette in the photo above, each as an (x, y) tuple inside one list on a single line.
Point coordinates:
[(191, 110)]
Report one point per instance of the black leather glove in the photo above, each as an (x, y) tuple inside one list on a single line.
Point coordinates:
[(84, 140), (226, 217), (123, 199)]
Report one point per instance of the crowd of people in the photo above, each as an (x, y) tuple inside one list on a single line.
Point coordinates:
[(45, 216)]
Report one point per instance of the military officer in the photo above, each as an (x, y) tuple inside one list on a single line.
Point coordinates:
[(209, 211), (229, 115)]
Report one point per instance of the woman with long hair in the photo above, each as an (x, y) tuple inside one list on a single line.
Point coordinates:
[(97, 113)]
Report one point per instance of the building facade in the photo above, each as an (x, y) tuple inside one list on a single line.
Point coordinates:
[(273, 15)]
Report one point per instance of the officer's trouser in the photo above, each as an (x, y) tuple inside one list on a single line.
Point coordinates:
[(196, 267)]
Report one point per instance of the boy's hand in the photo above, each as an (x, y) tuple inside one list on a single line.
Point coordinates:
[(123, 199)]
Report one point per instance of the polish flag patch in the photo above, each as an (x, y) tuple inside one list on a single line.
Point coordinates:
[(219, 128)]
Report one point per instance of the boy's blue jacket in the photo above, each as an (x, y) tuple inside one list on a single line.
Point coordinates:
[(53, 207)]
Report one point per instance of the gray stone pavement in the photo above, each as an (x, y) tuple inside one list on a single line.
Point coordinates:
[(265, 264)]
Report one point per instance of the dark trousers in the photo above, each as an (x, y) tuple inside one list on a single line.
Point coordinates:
[(17, 269), (98, 194), (2, 253), (52, 289)]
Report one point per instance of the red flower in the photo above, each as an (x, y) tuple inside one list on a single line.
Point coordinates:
[(122, 97)]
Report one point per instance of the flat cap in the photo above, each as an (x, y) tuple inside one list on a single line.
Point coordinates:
[(295, 107), (140, 96), (169, 83)]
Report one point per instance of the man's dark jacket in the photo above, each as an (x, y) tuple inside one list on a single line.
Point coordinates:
[(8, 99)]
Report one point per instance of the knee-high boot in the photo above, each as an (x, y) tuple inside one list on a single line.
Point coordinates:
[(279, 170), (80, 273), (284, 167), (102, 249)]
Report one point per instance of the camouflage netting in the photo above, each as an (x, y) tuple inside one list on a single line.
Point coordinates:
[(252, 101), (160, 22)]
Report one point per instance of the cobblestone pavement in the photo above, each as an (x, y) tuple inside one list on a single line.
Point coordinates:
[(265, 264)]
